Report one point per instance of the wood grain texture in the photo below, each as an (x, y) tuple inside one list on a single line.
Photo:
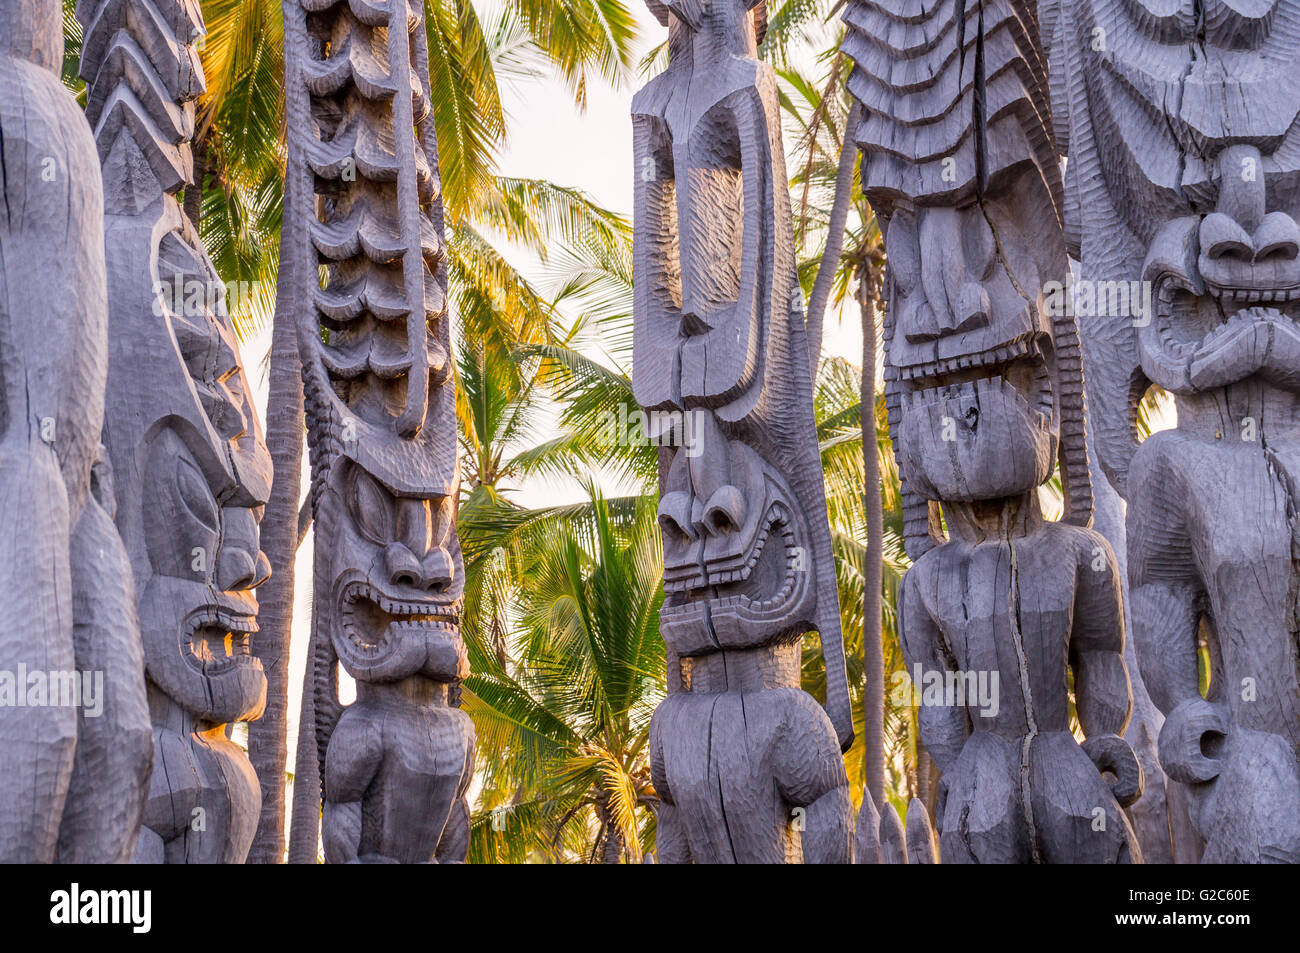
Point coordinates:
[(380, 402), (191, 471), (985, 391), (1180, 122), (74, 770), (746, 765)]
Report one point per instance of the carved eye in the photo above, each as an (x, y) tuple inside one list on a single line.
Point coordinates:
[(195, 493), (371, 508)]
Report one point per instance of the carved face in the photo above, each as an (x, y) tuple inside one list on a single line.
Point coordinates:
[(975, 356), (1208, 193), (737, 555), (1225, 283), (398, 614), (703, 272), (197, 607), (192, 488)]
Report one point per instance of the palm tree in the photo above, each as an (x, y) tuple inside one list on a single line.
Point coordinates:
[(564, 738), (826, 118)]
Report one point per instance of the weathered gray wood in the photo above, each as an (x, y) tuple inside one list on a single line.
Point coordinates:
[(73, 768), (866, 838), (375, 346), (191, 470), (882, 838), (747, 765), (1180, 123), (920, 835), (893, 849), (985, 390)]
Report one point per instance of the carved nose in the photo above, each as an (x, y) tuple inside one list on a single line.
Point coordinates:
[(675, 514), (971, 310), (240, 562), (920, 324), (433, 573), (724, 513), (238, 569)]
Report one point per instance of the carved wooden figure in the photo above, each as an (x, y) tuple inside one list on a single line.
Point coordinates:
[(375, 346), (986, 395), (1180, 121), (192, 472), (74, 727), (747, 765)]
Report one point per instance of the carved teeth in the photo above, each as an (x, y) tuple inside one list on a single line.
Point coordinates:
[(421, 617), (698, 584)]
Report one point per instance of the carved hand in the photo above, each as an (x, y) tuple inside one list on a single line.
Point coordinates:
[(1112, 753), (1190, 739)]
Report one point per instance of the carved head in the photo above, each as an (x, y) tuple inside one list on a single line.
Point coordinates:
[(984, 386), (192, 471), (719, 344), (709, 266), (381, 408), (736, 549), (387, 504), (1201, 204), (972, 349), (694, 14)]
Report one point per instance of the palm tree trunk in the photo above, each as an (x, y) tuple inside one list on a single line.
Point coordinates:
[(267, 737), (304, 832), (194, 193), (873, 661), (830, 262)]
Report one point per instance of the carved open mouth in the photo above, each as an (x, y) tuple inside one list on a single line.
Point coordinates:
[(1019, 365), (1187, 321), (761, 580), (217, 641), (371, 621)]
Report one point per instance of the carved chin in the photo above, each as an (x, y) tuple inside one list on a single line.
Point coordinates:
[(382, 638), (741, 601), (979, 440), (204, 662)]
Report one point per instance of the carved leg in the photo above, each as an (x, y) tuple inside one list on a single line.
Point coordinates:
[(671, 844), (149, 848), (355, 753), (983, 814), (1076, 818), (827, 829), (341, 831), (810, 774)]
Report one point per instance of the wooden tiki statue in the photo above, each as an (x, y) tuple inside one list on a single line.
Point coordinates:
[(985, 393), (75, 742), (747, 765), (375, 348), (1182, 125), (192, 471)]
